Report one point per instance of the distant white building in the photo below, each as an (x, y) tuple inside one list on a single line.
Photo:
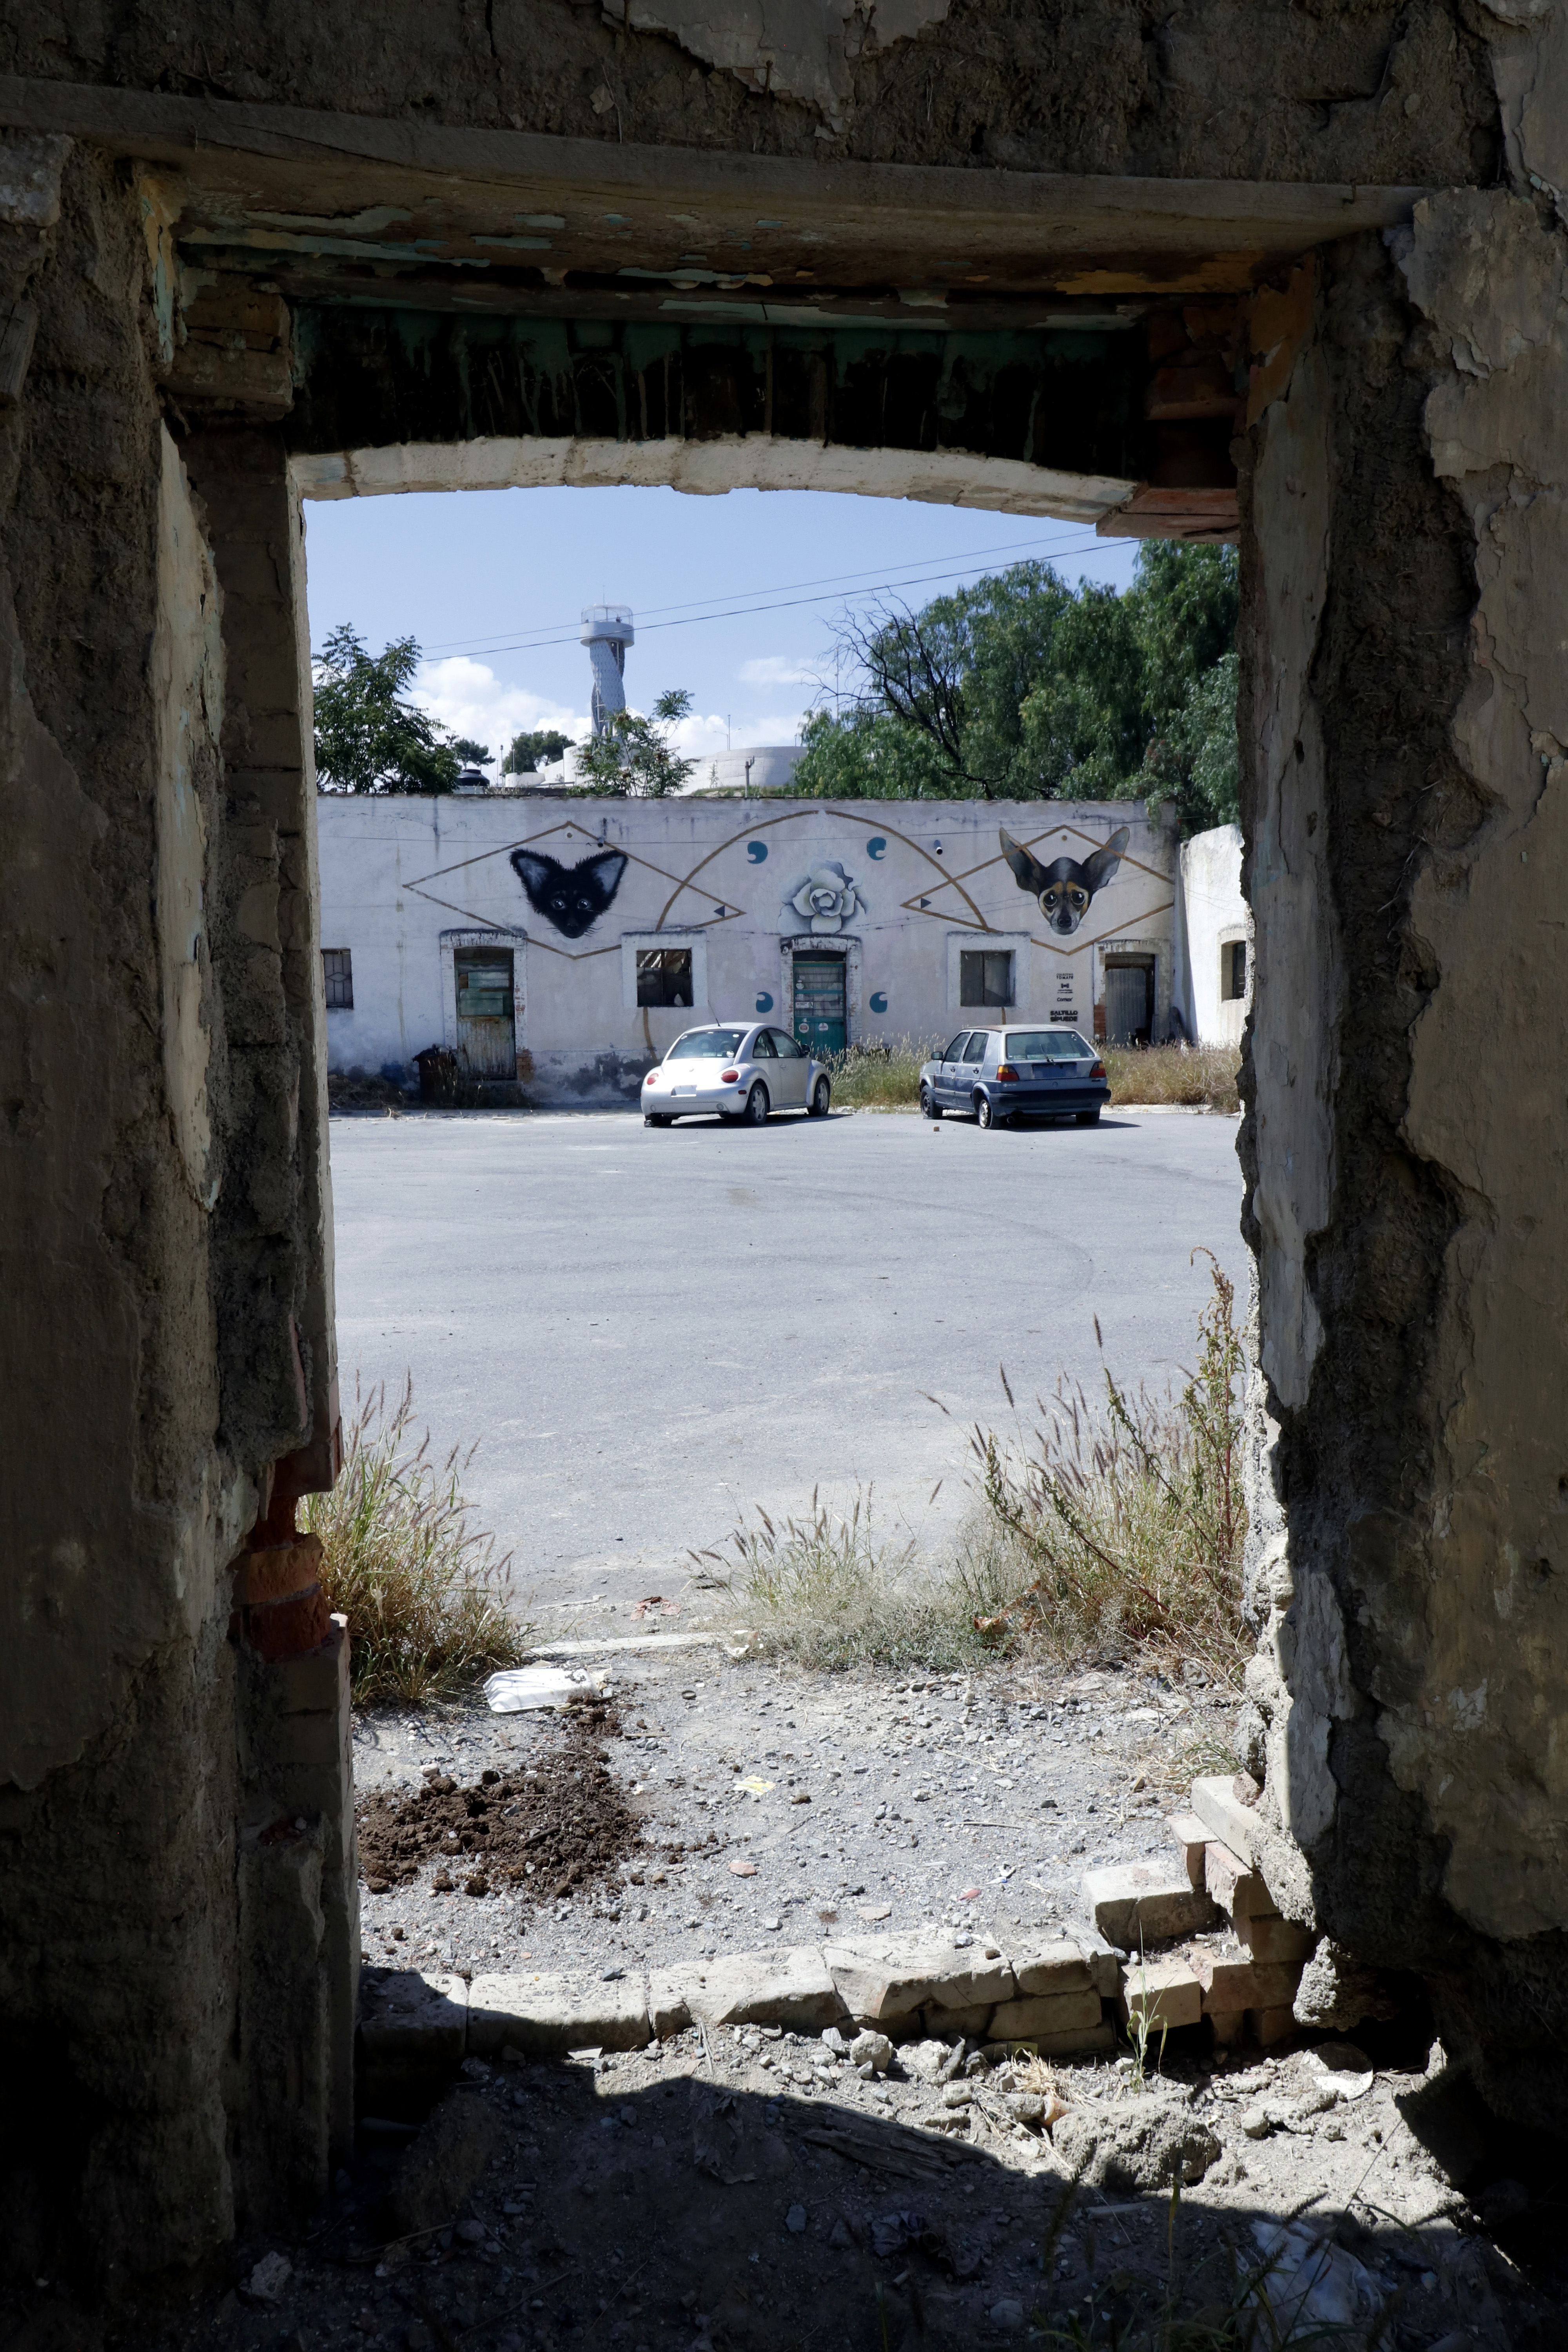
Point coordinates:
[(1214, 924), (562, 944)]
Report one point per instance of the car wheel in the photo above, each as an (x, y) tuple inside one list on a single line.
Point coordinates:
[(820, 1098), (659, 1119), (757, 1105), (984, 1114), (930, 1106), (1089, 1118)]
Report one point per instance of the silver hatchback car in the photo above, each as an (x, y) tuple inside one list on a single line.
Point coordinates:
[(742, 1073), (1001, 1075)]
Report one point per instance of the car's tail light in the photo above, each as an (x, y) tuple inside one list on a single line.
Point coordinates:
[(1007, 1074), (651, 1079), (1097, 1071), (728, 1078)]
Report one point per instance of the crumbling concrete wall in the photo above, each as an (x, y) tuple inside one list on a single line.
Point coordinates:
[(162, 1270), (1408, 581), (1392, 90)]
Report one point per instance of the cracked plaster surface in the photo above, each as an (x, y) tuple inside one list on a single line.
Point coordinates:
[(793, 48)]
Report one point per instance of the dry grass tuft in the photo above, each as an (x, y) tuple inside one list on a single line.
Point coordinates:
[(1200, 1077), (1127, 1524), (871, 1076), (423, 1593), (826, 1590)]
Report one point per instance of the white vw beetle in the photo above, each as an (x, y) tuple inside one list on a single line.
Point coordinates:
[(739, 1073)]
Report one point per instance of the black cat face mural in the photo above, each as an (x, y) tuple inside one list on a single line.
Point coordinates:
[(570, 896), (1066, 886)]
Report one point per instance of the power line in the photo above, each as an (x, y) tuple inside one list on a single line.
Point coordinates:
[(533, 643)]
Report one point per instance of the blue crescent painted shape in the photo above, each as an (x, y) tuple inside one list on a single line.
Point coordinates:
[(764, 1001), (757, 852), (879, 1002), (876, 847)]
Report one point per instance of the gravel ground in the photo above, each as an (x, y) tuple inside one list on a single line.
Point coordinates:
[(749, 2190), (976, 1799)]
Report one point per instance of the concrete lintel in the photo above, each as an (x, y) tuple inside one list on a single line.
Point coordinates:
[(707, 469)]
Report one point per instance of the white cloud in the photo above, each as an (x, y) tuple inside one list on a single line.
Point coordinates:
[(775, 669), (468, 698)]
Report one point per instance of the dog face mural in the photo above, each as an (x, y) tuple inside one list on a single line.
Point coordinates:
[(1066, 886), (570, 896)]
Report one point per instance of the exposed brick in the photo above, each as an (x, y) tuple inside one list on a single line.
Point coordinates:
[(1231, 1984), (1043, 2014), (1165, 1990), (1234, 1886), (1145, 1903), (1192, 1837), (1268, 2026), (277, 1571), (287, 1629), (1215, 1802), (1275, 1939)]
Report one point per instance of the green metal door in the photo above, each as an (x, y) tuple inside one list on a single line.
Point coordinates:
[(819, 1015)]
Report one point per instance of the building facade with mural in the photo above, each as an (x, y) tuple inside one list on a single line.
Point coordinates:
[(565, 943)]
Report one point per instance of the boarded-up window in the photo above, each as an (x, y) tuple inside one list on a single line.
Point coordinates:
[(337, 967), (1232, 969), (663, 976), (986, 977)]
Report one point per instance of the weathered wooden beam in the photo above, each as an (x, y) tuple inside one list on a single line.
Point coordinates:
[(483, 199)]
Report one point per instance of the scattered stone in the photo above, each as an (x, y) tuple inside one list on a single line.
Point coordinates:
[(839, 2235), (924, 2059), (891, 2232), (1007, 2311), (268, 2279), (794, 2221), (1146, 2145), (872, 2048), (957, 2094), (1337, 1992), (471, 2232), (444, 2166), (1350, 2070), (1255, 2123), (741, 1868), (876, 1911)]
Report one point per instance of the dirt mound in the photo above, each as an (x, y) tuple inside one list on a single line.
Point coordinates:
[(553, 1827)]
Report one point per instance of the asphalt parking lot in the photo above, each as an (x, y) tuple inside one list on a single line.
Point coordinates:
[(649, 1331)]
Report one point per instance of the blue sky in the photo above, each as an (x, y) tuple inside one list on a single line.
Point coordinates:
[(492, 583)]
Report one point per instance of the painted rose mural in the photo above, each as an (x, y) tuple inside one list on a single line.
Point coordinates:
[(827, 898)]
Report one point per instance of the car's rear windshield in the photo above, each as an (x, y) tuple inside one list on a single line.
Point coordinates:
[(1047, 1046), (706, 1045)]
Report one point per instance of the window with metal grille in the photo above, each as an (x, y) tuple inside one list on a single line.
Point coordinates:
[(984, 978), (1232, 969), (663, 976), (337, 966)]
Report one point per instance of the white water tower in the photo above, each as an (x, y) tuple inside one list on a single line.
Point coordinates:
[(608, 632)]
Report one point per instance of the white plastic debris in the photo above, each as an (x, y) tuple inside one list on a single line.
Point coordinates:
[(1310, 2283), (523, 1688), (1349, 2070)]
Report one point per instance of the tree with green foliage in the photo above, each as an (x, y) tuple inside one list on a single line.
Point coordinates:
[(472, 754), (369, 736), (540, 749), (1018, 688), (635, 754)]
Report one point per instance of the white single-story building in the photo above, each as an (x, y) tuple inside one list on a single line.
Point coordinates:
[(1215, 923), (563, 943)]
